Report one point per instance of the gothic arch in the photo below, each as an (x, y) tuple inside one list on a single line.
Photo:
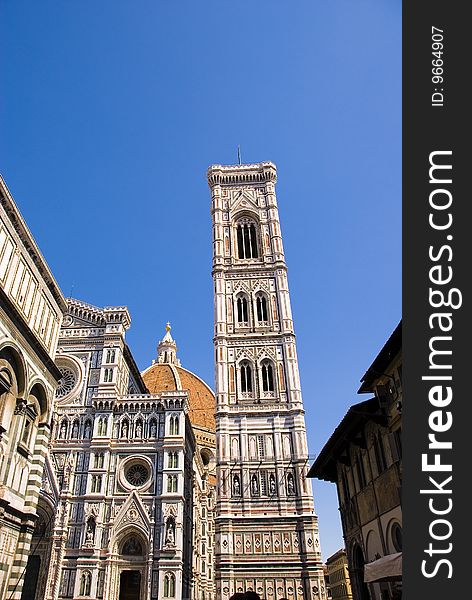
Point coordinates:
[(8, 394), (245, 213), (393, 542), (262, 307), (268, 376), (124, 426), (38, 392), (132, 542), (207, 455), (88, 429), (247, 235), (174, 424), (41, 547), (13, 356), (62, 431), (242, 308), (246, 379), (235, 448), (357, 572)]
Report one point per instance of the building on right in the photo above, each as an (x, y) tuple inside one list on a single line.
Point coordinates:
[(363, 458), (338, 576)]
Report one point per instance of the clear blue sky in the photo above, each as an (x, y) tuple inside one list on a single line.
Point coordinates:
[(112, 110)]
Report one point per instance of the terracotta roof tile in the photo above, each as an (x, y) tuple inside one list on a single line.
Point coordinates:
[(160, 378)]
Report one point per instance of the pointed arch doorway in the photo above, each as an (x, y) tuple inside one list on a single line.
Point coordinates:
[(130, 584), (129, 570)]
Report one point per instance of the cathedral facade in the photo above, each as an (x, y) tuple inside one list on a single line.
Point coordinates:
[(135, 507), (266, 530)]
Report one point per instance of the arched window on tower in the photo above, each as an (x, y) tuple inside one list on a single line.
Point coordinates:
[(247, 239), (246, 377), (242, 310), (267, 377), (261, 308)]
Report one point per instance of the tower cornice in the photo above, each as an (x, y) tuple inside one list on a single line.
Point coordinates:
[(229, 175)]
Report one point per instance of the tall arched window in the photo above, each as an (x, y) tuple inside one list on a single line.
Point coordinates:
[(360, 471), (345, 487), (85, 583), (169, 586), (261, 308), (174, 425), (246, 377), (99, 460), (173, 460), (379, 454), (172, 483), (242, 310), (247, 239), (267, 377)]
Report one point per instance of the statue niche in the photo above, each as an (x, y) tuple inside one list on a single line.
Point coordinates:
[(90, 533), (170, 532)]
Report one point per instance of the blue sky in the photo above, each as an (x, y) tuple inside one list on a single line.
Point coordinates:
[(111, 112)]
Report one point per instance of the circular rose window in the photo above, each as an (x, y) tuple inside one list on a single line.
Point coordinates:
[(66, 383), (137, 474)]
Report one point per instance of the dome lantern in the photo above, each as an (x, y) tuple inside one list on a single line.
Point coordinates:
[(167, 349)]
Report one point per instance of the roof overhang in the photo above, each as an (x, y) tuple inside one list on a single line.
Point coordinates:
[(382, 361), (349, 430)]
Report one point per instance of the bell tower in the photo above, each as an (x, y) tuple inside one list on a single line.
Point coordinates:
[(266, 530)]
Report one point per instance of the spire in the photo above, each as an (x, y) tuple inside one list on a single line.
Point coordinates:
[(168, 335), (167, 349)]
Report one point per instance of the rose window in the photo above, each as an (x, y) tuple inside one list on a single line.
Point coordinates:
[(66, 383), (137, 474)]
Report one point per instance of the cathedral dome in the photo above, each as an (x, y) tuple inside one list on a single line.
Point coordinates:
[(166, 374)]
